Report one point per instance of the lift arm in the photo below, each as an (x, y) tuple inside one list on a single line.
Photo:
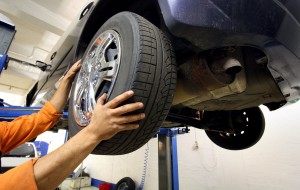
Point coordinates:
[(11, 112)]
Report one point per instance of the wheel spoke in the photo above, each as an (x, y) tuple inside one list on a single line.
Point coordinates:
[(88, 66), (106, 42), (85, 101), (111, 71), (90, 99), (107, 69), (79, 98)]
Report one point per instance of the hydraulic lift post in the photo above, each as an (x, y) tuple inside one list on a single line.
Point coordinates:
[(167, 158)]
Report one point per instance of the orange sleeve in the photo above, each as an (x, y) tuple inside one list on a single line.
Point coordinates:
[(25, 128), (19, 178)]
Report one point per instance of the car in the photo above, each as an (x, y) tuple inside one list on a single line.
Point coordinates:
[(208, 64)]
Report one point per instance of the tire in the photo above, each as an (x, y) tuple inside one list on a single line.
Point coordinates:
[(143, 61), (125, 183), (249, 126)]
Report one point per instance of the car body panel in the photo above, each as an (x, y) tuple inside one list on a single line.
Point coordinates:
[(272, 26)]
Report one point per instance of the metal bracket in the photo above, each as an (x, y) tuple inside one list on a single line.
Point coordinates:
[(211, 123), (172, 132)]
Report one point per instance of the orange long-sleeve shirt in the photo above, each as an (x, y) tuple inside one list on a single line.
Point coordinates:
[(17, 132)]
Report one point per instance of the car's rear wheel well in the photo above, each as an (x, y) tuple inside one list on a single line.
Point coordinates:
[(107, 8)]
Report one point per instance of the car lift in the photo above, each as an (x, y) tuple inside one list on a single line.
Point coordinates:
[(9, 112), (7, 31), (167, 157)]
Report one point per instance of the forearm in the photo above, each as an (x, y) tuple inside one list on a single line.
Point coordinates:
[(60, 97), (53, 168), (26, 127)]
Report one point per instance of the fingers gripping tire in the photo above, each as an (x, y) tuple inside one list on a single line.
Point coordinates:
[(141, 59)]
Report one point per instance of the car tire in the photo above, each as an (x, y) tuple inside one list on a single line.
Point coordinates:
[(146, 65), (125, 183), (248, 124)]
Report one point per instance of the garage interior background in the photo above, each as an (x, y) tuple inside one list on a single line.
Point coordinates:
[(271, 164)]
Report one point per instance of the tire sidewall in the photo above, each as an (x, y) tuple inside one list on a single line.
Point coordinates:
[(124, 26)]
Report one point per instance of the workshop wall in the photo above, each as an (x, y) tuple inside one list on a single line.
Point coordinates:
[(50, 141), (271, 164), (136, 165)]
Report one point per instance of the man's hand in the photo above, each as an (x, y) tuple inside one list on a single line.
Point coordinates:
[(73, 70), (109, 119), (60, 97)]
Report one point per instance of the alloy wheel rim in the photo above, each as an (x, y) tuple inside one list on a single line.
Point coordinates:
[(97, 75)]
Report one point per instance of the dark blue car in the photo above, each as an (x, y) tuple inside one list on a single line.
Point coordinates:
[(202, 63)]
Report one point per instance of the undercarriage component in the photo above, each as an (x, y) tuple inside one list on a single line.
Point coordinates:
[(200, 80), (226, 79), (233, 130)]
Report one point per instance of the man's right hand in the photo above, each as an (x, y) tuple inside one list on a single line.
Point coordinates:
[(108, 119)]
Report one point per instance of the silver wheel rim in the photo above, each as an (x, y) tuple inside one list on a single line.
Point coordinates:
[(97, 75)]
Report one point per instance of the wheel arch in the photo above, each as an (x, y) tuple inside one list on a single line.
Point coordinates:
[(105, 9)]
